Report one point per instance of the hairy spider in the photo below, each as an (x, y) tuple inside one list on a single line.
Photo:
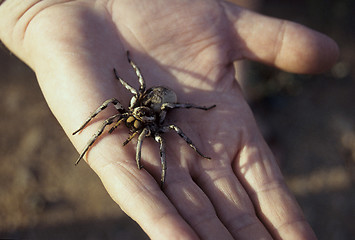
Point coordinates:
[(145, 117)]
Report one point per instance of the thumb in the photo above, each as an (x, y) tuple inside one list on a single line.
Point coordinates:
[(286, 45)]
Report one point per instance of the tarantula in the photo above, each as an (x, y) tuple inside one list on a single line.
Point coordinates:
[(145, 117)]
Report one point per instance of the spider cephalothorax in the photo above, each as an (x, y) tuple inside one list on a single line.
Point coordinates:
[(145, 117)]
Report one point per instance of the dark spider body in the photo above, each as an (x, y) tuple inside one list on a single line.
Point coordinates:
[(145, 117)]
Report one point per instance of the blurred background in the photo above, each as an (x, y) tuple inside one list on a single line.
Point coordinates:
[(308, 121)]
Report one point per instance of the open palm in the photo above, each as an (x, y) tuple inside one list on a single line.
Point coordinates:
[(188, 46)]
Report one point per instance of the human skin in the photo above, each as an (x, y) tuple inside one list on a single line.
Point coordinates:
[(189, 46)]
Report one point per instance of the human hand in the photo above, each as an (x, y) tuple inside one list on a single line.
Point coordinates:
[(188, 46)]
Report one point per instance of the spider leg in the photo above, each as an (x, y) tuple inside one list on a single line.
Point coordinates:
[(130, 138), (115, 102), (138, 73), (161, 141), (125, 84), (96, 135), (145, 132), (183, 136), (123, 117), (165, 106)]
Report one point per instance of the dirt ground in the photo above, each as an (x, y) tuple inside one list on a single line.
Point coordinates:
[(309, 122)]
